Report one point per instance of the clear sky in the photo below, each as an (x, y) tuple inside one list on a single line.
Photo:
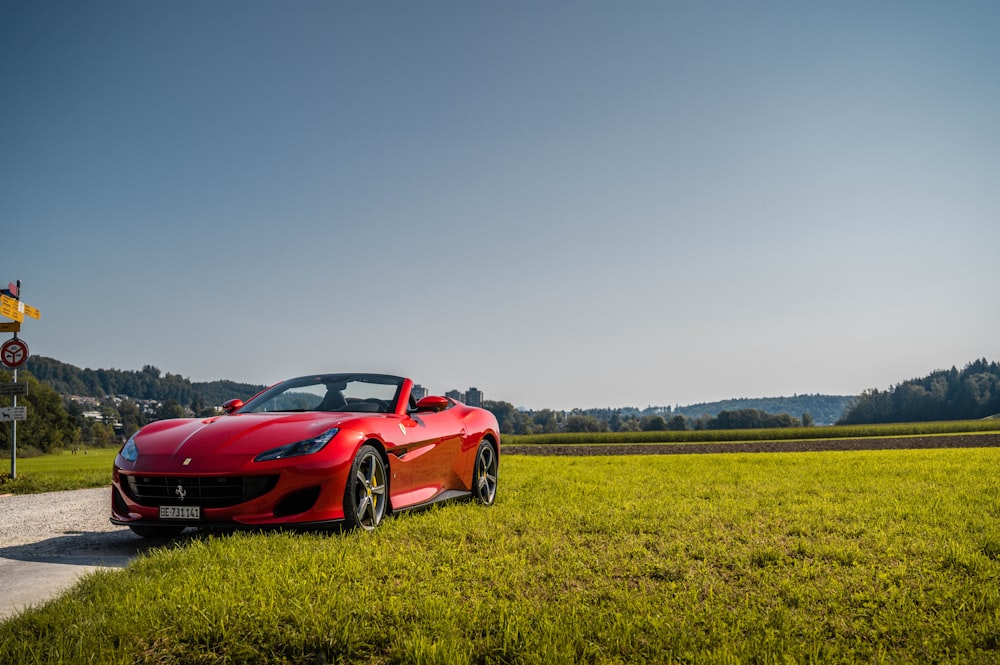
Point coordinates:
[(564, 204)]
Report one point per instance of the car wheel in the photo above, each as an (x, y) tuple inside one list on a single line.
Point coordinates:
[(484, 476), (366, 496), (156, 532)]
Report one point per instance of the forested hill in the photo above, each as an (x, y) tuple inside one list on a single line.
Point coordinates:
[(970, 393), (147, 383), (824, 409)]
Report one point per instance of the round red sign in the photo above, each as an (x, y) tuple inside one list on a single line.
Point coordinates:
[(14, 353)]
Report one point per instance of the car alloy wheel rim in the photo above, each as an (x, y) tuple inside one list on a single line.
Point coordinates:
[(370, 491), (486, 475)]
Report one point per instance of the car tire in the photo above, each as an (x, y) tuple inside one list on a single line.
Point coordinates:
[(366, 496), (156, 532), (484, 474)]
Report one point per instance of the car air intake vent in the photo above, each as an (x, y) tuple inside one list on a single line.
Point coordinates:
[(118, 504), (297, 502), (204, 491)]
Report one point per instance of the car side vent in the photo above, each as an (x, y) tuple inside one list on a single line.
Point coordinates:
[(297, 502)]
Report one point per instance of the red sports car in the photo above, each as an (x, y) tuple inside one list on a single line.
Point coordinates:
[(320, 449)]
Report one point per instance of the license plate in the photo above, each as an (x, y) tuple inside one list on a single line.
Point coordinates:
[(180, 512)]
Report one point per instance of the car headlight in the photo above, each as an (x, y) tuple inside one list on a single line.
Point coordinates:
[(130, 451), (307, 447)]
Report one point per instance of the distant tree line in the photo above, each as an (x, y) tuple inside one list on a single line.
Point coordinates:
[(57, 422), (824, 409), (146, 384), (126, 400), (48, 425), (520, 421), (970, 393)]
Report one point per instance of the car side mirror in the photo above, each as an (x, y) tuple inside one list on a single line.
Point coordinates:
[(232, 405), (432, 403)]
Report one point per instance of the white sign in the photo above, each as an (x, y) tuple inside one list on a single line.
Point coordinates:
[(9, 413)]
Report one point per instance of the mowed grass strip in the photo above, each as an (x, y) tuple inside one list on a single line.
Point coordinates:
[(823, 557), (58, 471)]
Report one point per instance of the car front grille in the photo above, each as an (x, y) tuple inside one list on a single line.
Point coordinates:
[(204, 491)]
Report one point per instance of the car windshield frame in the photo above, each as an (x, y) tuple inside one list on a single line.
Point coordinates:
[(367, 393)]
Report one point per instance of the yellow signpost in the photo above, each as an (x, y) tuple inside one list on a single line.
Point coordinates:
[(15, 309), (13, 354)]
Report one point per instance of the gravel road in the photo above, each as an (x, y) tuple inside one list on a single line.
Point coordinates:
[(48, 541)]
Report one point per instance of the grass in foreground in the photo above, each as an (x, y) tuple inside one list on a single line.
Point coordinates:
[(58, 471), (822, 557)]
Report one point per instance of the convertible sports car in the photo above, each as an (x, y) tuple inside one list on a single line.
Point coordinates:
[(319, 449)]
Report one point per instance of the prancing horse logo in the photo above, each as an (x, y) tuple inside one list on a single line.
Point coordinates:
[(180, 492)]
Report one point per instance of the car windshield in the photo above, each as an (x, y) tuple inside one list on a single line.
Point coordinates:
[(371, 393)]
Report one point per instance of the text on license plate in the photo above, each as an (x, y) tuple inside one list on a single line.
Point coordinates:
[(180, 512)]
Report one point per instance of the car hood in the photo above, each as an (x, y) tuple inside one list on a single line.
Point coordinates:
[(240, 434)]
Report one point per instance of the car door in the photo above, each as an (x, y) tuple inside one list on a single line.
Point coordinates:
[(422, 466)]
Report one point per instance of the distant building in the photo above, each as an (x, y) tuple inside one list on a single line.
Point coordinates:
[(474, 397), (100, 417), (418, 391), (85, 402), (455, 395)]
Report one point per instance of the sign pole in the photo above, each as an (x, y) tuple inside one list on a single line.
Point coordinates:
[(13, 423), (13, 354), (13, 438)]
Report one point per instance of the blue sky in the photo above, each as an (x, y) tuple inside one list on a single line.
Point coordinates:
[(563, 204)]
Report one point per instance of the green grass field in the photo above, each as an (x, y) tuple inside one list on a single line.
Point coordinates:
[(843, 557), (59, 471)]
